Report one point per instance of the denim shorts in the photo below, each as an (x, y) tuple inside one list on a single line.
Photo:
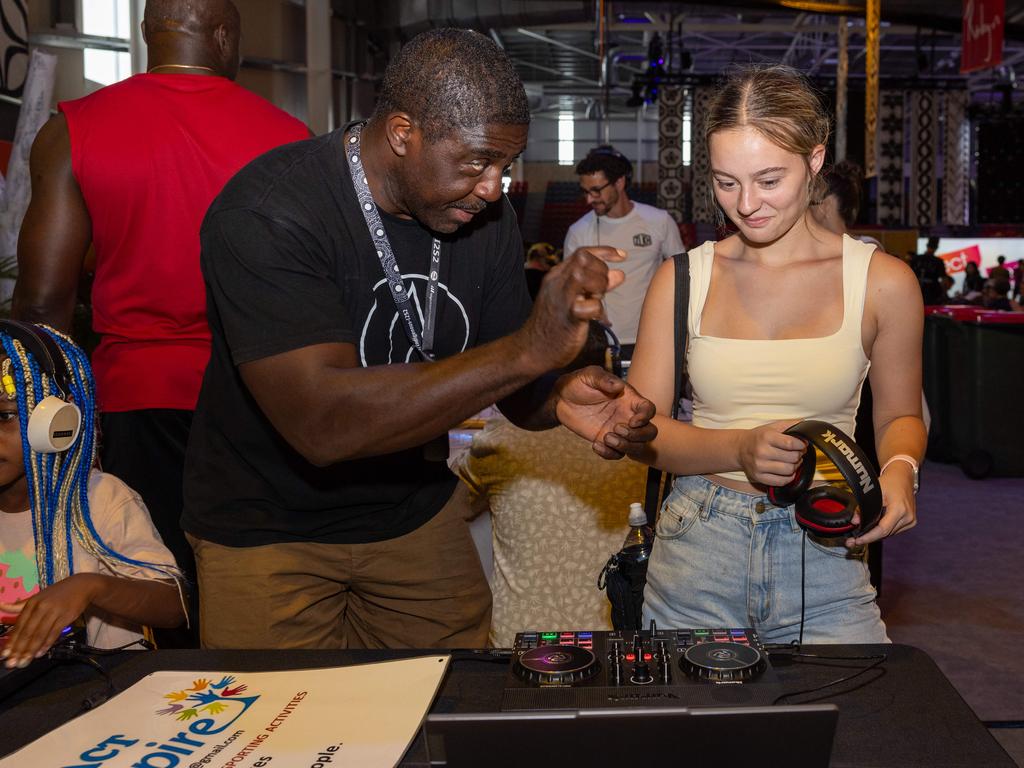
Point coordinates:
[(723, 558)]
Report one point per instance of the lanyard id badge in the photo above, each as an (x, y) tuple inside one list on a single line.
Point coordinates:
[(424, 344)]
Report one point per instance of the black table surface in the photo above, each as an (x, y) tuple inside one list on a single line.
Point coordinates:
[(904, 713)]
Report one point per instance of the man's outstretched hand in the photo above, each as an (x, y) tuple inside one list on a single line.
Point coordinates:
[(597, 405)]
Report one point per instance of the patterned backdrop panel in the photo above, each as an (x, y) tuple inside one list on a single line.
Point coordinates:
[(924, 151), (956, 159), (703, 202), (890, 159), (14, 46), (671, 184)]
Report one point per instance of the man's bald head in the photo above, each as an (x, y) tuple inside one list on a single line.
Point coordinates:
[(203, 32)]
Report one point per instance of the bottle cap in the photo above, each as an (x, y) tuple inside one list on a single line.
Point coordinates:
[(637, 516)]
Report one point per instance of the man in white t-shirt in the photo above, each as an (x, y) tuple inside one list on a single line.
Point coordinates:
[(647, 234)]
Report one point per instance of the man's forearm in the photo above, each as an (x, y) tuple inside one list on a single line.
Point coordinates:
[(384, 409)]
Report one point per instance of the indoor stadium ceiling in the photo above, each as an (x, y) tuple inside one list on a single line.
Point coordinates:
[(561, 52)]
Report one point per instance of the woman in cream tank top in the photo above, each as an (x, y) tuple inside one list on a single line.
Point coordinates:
[(786, 320)]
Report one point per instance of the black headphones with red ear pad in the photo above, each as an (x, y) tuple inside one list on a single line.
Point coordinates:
[(827, 510)]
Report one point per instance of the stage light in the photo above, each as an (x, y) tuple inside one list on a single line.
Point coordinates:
[(655, 52)]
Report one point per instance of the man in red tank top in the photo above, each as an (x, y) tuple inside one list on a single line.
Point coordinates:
[(132, 169)]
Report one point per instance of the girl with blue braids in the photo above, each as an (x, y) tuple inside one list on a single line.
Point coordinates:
[(75, 543)]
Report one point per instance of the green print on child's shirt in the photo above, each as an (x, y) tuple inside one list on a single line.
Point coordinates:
[(19, 578)]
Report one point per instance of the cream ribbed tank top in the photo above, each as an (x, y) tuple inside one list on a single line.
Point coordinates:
[(745, 383)]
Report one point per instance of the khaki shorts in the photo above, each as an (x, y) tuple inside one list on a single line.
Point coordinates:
[(423, 590)]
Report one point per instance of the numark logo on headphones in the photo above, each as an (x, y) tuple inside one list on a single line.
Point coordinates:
[(862, 473)]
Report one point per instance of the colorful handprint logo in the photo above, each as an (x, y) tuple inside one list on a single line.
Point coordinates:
[(205, 697)]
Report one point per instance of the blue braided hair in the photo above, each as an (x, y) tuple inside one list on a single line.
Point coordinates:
[(58, 483)]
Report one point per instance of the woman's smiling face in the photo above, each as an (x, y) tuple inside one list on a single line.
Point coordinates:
[(763, 188)]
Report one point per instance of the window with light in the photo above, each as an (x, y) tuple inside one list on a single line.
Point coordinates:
[(106, 18), (566, 137)]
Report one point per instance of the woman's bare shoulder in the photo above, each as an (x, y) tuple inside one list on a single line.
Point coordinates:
[(890, 274), (893, 293)]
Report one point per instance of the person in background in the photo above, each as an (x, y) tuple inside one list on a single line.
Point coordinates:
[(929, 268), (994, 294), (946, 282), (557, 512), (765, 352), (999, 271), (75, 543), (1018, 280), (647, 235), (539, 259), (132, 169), (837, 211), (973, 281)]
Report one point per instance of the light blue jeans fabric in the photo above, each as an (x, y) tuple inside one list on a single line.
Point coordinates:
[(723, 558)]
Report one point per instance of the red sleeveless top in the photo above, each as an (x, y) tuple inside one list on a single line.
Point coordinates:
[(150, 154)]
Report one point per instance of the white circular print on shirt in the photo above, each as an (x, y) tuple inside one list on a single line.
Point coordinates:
[(383, 321)]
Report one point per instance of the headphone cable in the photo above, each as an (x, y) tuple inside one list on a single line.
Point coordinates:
[(803, 585), (876, 661)]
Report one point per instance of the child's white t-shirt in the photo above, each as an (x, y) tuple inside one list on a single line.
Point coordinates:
[(122, 521)]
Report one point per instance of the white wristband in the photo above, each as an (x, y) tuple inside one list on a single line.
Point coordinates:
[(910, 460)]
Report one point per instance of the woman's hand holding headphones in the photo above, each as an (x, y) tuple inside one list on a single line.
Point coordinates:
[(769, 457), (899, 506)]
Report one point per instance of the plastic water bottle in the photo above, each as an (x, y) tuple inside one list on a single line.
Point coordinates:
[(625, 574), (637, 546)]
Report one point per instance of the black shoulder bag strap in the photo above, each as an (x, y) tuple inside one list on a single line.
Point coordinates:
[(658, 487)]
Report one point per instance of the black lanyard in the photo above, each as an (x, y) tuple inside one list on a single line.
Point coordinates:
[(424, 345)]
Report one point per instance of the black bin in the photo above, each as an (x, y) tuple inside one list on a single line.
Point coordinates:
[(985, 367), (938, 326)]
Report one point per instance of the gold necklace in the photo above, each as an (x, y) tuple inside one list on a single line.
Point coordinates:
[(151, 70)]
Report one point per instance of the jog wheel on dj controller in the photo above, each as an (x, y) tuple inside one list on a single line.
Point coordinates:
[(721, 662), (556, 665)]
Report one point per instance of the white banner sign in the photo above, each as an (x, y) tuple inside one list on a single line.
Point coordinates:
[(364, 715), (983, 251)]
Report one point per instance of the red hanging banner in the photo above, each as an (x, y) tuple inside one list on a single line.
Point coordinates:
[(982, 44)]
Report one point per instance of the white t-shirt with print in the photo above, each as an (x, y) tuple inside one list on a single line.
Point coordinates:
[(123, 522), (648, 235)]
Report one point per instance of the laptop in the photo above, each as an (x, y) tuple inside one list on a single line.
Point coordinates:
[(772, 736)]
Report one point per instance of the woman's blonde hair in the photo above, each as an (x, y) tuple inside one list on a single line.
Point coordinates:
[(781, 104)]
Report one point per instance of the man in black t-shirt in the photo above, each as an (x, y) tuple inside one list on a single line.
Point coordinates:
[(317, 500)]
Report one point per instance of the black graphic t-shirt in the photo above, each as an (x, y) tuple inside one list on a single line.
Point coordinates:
[(288, 263)]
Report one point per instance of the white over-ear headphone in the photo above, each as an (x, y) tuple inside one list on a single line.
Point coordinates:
[(54, 423)]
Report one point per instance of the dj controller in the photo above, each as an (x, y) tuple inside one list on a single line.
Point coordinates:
[(574, 669)]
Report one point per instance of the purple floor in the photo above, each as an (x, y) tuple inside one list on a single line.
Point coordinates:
[(954, 587)]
